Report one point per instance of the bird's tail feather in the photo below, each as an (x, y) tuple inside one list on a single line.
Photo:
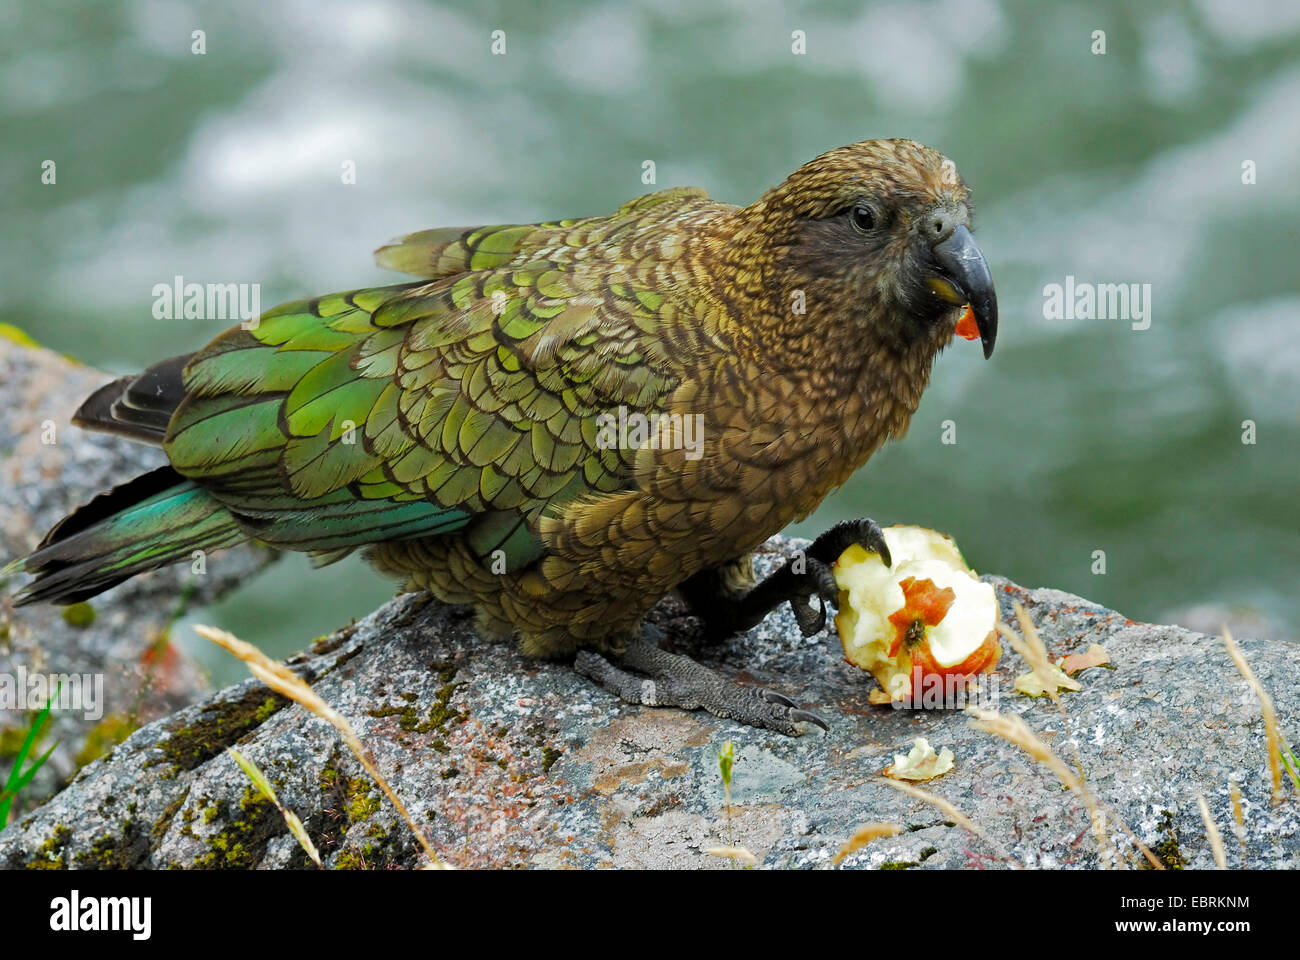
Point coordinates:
[(155, 520)]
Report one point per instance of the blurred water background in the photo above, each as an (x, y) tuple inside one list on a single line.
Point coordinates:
[(1126, 167)]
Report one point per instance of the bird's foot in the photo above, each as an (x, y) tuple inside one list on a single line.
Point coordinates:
[(647, 675), (810, 574), (818, 578)]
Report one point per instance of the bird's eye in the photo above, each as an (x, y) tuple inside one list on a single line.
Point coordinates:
[(863, 218)]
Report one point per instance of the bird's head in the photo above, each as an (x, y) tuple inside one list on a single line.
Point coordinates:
[(878, 234)]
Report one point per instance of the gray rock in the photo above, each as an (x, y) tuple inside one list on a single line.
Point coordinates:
[(47, 468), (512, 762), (509, 762)]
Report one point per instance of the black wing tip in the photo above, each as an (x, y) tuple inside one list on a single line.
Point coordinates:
[(137, 407)]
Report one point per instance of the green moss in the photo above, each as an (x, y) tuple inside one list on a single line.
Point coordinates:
[(218, 726), (349, 860), (11, 740), (79, 615), (378, 850), (928, 852), (353, 793), (50, 854), (361, 806), (1167, 850), (241, 843), (108, 852), (441, 713), (163, 823), (329, 642), (549, 756), (323, 644), (898, 864), (104, 736), (408, 719)]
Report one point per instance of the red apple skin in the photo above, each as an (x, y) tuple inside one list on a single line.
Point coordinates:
[(982, 659)]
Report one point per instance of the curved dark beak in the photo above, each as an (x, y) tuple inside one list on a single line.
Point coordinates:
[(962, 268)]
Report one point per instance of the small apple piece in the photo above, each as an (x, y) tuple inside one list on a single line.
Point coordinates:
[(967, 328), (921, 762), (1035, 684), (1058, 674), (928, 612)]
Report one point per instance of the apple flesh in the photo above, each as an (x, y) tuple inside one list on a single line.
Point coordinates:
[(929, 612)]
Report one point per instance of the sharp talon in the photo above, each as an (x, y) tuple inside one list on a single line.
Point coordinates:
[(771, 696), (822, 575), (808, 617), (803, 716)]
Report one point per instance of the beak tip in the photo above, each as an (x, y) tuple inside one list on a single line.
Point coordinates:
[(988, 323), (963, 266)]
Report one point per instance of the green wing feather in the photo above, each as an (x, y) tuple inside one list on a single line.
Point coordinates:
[(467, 403)]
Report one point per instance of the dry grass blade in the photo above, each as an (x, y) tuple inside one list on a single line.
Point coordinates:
[(1266, 708), (287, 683), (1212, 833), (864, 835), (735, 853), (953, 814), (1238, 821), (1016, 731)]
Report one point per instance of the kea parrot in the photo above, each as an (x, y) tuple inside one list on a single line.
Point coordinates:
[(457, 428)]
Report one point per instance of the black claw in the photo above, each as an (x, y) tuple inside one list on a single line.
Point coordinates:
[(820, 582), (803, 716), (771, 696), (809, 618), (824, 578)]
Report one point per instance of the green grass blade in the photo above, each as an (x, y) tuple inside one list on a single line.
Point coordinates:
[(18, 778), (255, 774)]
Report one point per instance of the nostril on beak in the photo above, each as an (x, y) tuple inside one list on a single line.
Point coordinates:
[(939, 227)]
